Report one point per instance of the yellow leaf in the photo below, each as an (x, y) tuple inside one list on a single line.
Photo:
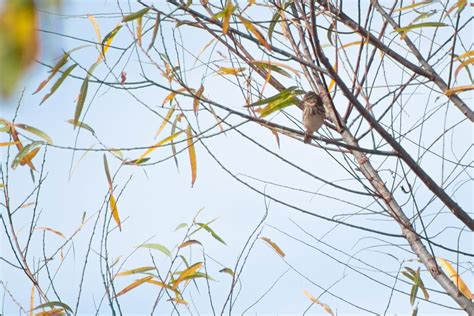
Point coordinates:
[(165, 120), (114, 210), (458, 89), (466, 54), (171, 96), (136, 270), (163, 285), (160, 143), (53, 312), (352, 44), (460, 4), (134, 285), (460, 284), (273, 245), (196, 99), (189, 243), (179, 300), (252, 29), (108, 39), (412, 6), (139, 30), (230, 71), (331, 84), (29, 156), (4, 144), (192, 154), (228, 10), (189, 271), (19, 145), (95, 25)]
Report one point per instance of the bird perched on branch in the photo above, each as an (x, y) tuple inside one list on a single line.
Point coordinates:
[(313, 114)]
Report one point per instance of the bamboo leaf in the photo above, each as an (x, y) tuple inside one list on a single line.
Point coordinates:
[(155, 31), (413, 5), (192, 154), (273, 245), (134, 285), (81, 125), (189, 243), (180, 226), (227, 270), (227, 13), (136, 270), (112, 202), (81, 99), (5, 144), (464, 64), (108, 39), (160, 143), (186, 273), (458, 89), (212, 232), (158, 247), (58, 82), (62, 61), (95, 25), (457, 280), (318, 302), (35, 131), (230, 71), (165, 120), (196, 99), (53, 312), (252, 29), (54, 304), (54, 231), (135, 15), (419, 25), (26, 154)]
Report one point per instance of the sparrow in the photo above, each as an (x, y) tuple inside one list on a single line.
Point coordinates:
[(313, 114)]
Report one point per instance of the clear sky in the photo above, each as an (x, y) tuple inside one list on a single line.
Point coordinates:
[(353, 266)]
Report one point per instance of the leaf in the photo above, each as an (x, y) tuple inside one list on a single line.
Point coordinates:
[(35, 131), (316, 301), (186, 273), (155, 31), (213, 234), (5, 144), (81, 99), (457, 280), (158, 247), (62, 61), (180, 226), (16, 139), (276, 67), (165, 120), (252, 29), (466, 54), (54, 231), (173, 147), (172, 95), (189, 243), (160, 143), (135, 15), (227, 13), (413, 292), (278, 105), (281, 95), (178, 300), (163, 285), (413, 5), (273, 245), (352, 44), (32, 300), (230, 71), (458, 89), (95, 25), (108, 39), (81, 125), (464, 64), (58, 82), (136, 270), (197, 96), (419, 25), (136, 161), (26, 154), (227, 270), (460, 4), (112, 203), (192, 154), (53, 304), (139, 31), (53, 312), (134, 285)]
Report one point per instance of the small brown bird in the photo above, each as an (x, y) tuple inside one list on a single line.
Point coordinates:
[(313, 114)]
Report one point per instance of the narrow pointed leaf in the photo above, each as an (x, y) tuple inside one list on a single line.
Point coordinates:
[(58, 82), (135, 15), (192, 154), (189, 243), (134, 285), (53, 304), (160, 143), (227, 270), (35, 131), (457, 280), (158, 247), (458, 89), (135, 271), (166, 120), (155, 31), (108, 39), (252, 29), (419, 25), (81, 125), (81, 99), (273, 245), (62, 61), (186, 273), (196, 99), (212, 232), (26, 154)]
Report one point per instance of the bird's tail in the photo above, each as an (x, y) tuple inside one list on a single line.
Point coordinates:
[(307, 138)]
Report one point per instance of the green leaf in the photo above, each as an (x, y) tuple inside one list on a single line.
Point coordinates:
[(158, 247), (419, 25), (24, 153), (274, 68), (180, 226), (81, 125), (278, 105), (35, 131), (62, 61), (58, 82), (227, 270), (281, 95), (52, 304), (135, 15), (213, 234), (108, 39), (81, 99), (414, 291)]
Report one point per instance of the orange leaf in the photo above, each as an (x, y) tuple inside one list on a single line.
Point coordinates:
[(252, 29), (316, 301), (196, 99), (189, 243), (460, 284), (53, 312), (192, 154), (458, 89), (160, 143), (273, 245), (54, 231), (186, 273), (134, 285), (3, 144), (462, 65)]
